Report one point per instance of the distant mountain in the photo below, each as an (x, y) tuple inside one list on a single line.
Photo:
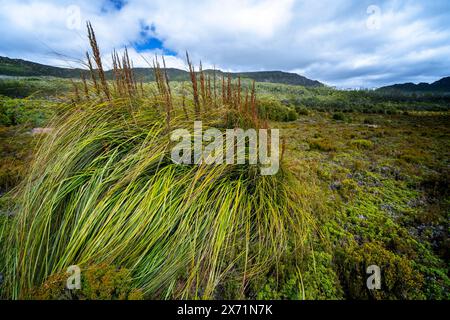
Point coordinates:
[(279, 77), (18, 67), (442, 85)]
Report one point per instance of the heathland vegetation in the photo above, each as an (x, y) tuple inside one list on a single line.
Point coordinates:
[(363, 180)]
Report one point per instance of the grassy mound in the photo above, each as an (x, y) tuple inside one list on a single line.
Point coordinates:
[(103, 190)]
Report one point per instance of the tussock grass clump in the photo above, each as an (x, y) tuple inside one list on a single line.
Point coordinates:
[(103, 190)]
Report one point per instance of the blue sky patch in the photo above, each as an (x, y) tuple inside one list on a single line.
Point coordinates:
[(118, 4), (111, 5), (150, 41)]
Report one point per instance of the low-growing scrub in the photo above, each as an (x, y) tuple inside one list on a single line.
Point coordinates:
[(322, 144), (339, 116), (362, 144), (102, 282), (399, 278), (16, 146), (303, 111), (38, 87), (273, 109), (29, 112)]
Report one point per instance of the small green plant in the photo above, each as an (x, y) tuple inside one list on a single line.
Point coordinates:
[(399, 279), (291, 115), (322, 144), (102, 282), (362, 144), (301, 110), (369, 121), (413, 156), (339, 116)]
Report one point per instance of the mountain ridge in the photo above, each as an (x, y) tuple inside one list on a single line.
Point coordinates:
[(441, 85), (20, 67)]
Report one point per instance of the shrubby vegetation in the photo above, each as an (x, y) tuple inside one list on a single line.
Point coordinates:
[(100, 282), (377, 198), (377, 208), (339, 116), (366, 101), (40, 87), (17, 118), (26, 112), (273, 109)]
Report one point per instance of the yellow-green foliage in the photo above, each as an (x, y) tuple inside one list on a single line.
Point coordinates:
[(312, 279), (399, 279), (273, 109), (322, 144), (349, 188), (32, 112), (362, 144), (302, 111), (373, 204), (97, 282), (15, 148), (413, 156)]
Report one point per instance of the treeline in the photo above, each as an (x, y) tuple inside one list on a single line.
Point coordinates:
[(35, 86), (369, 101)]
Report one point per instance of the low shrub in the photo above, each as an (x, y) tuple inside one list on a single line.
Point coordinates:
[(15, 150), (368, 121), (322, 144), (103, 282), (413, 156), (362, 144), (302, 111), (313, 279), (24, 111), (399, 279), (272, 109), (338, 116)]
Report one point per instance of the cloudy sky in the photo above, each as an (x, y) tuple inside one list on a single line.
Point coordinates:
[(339, 42)]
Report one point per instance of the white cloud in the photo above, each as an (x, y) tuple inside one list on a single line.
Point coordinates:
[(145, 59), (325, 40)]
